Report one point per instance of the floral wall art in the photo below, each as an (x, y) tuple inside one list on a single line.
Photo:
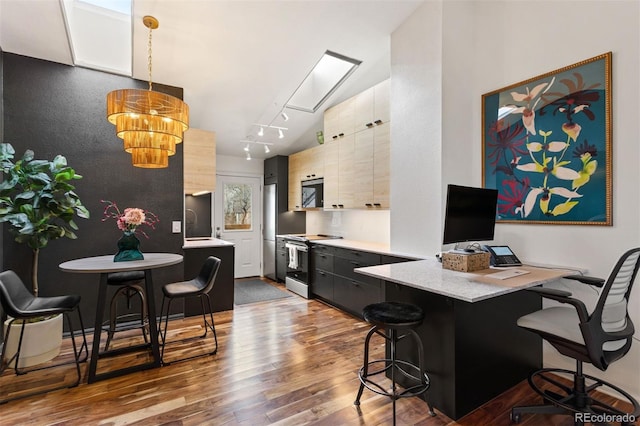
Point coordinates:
[(546, 146)]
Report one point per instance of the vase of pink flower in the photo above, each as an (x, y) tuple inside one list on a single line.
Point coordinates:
[(129, 222)]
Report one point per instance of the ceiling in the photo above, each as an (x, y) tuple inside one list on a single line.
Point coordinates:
[(238, 61)]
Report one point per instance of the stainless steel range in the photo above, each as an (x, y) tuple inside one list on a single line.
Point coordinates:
[(298, 274)]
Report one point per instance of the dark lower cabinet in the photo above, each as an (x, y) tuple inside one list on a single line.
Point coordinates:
[(322, 284), (222, 292), (353, 296), (334, 280), (473, 352), (281, 260)]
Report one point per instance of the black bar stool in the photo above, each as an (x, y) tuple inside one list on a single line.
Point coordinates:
[(131, 284), (393, 317)]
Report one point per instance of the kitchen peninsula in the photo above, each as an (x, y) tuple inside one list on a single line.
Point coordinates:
[(196, 251), (474, 350)]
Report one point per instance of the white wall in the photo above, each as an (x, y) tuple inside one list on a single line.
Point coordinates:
[(238, 166), (482, 46), (416, 132), (360, 225)]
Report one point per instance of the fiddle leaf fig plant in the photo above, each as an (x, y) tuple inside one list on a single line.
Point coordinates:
[(37, 201)]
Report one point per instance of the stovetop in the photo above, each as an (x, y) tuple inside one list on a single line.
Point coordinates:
[(310, 237)]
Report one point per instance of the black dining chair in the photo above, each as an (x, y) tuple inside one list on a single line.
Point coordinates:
[(19, 304), (196, 287)]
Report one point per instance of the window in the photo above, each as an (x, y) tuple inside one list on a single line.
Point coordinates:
[(237, 207)]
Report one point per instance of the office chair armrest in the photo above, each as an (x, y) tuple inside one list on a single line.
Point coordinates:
[(563, 297), (594, 281), (551, 293)]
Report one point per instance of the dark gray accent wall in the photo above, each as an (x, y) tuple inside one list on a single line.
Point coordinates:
[(57, 109), (1, 139)]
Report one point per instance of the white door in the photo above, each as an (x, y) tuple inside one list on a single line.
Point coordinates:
[(238, 219)]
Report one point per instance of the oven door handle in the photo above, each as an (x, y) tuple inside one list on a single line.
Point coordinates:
[(298, 247)]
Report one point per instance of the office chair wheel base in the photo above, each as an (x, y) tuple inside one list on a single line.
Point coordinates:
[(562, 397)]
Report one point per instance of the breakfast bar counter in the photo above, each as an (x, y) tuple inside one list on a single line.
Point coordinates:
[(474, 350)]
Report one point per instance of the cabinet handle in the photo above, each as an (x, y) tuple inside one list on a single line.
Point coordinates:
[(335, 206), (369, 124), (313, 175), (322, 256), (368, 204), (341, 205), (355, 283), (378, 122), (376, 204), (355, 263), (341, 134), (321, 273), (334, 137)]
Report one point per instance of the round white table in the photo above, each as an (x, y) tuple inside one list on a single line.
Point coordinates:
[(104, 265)]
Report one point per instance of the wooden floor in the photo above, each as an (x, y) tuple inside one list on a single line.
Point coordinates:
[(288, 362)]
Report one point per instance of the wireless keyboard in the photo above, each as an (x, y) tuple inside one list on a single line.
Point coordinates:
[(507, 273)]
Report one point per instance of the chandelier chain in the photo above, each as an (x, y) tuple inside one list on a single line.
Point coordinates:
[(149, 60)]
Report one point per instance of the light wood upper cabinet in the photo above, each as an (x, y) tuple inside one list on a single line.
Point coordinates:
[(339, 120), (199, 149), (371, 179), (355, 154), (372, 106), (295, 192), (331, 174), (304, 165), (382, 165), (346, 172)]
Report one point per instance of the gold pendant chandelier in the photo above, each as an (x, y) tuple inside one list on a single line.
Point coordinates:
[(150, 123)]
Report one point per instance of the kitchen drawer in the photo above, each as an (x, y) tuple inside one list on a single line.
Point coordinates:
[(365, 258), (344, 267), (319, 248), (322, 284), (323, 261), (280, 244), (354, 295)]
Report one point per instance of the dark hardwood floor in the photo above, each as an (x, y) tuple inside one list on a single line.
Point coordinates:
[(289, 361)]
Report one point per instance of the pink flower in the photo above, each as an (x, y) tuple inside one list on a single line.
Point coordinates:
[(134, 216), (130, 219)]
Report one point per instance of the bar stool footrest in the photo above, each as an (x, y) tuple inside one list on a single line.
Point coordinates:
[(418, 389)]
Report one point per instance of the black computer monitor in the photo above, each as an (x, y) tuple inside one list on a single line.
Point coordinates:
[(470, 214)]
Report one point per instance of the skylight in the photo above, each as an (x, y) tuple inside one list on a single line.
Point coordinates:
[(100, 34), (326, 76)]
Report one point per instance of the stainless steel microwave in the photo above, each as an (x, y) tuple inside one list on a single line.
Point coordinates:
[(313, 193)]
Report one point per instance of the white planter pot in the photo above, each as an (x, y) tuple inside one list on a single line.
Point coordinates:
[(41, 341)]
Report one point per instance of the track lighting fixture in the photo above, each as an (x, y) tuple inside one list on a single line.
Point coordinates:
[(280, 134), (284, 115), (261, 132), (247, 147)]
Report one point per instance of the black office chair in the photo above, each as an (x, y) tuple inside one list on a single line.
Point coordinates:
[(21, 305), (599, 338), (197, 287)]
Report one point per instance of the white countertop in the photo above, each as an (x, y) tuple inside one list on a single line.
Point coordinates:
[(474, 286), (208, 242)]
